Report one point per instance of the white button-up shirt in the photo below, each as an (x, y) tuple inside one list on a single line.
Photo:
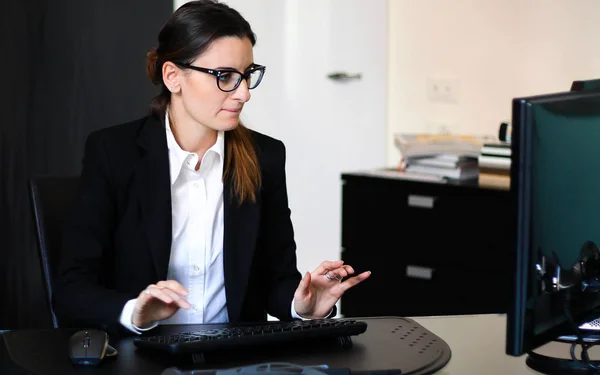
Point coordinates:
[(197, 220)]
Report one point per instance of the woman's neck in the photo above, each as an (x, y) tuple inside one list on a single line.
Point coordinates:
[(189, 134)]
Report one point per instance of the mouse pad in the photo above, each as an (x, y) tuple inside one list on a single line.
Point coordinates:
[(40, 352)]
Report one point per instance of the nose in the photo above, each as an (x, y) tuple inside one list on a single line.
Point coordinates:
[(242, 93)]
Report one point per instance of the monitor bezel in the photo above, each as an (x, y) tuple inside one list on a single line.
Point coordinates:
[(518, 340)]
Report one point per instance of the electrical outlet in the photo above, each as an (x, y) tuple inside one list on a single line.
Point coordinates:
[(440, 127), (444, 129), (442, 90)]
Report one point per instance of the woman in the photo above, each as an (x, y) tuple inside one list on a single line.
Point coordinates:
[(182, 216)]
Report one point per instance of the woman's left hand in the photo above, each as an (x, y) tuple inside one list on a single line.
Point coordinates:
[(319, 291)]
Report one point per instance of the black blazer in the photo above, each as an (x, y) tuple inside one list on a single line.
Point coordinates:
[(118, 239)]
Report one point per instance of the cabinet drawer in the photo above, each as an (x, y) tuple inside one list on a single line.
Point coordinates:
[(412, 289), (381, 217), (428, 226)]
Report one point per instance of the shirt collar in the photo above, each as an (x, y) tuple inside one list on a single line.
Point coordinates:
[(178, 156)]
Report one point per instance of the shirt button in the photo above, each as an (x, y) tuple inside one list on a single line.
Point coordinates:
[(196, 268), (196, 185)]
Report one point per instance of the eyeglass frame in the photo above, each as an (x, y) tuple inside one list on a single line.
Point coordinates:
[(218, 72)]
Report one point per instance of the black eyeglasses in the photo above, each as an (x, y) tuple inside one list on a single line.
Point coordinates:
[(229, 79)]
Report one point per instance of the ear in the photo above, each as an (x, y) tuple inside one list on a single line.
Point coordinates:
[(171, 74)]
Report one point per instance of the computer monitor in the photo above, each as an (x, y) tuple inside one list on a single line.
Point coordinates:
[(555, 193), (586, 85)]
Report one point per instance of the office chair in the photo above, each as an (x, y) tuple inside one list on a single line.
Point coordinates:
[(51, 199)]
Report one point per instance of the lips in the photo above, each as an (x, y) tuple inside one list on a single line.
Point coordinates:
[(232, 110)]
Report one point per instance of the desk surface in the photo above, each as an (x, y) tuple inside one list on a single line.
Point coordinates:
[(388, 343), (477, 343)]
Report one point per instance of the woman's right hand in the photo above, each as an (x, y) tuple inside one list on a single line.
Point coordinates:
[(158, 302)]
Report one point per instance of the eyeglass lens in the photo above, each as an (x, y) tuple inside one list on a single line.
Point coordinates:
[(230, 80)]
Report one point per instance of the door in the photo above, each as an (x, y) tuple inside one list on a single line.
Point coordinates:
[(328, 126)]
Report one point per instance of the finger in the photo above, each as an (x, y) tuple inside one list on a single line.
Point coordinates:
[(165, 295), (177, 299), (337, 274), (146, 292), (349, 283), (328, 265), (303, 287), (174, 286), (157, 293), (348, 269), (343, 271)]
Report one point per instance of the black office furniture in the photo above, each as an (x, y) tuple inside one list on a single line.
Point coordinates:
[(52, 198), (388, 343), (433, 249)]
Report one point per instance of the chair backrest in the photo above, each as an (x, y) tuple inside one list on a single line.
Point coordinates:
[(52, 199)]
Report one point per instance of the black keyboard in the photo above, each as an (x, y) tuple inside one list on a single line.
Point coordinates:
[(235, 336)]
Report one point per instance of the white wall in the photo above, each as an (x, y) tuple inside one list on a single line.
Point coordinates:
[(491, 50), (328, 127)]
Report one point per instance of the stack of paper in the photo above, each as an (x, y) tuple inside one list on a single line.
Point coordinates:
[(447, 156)]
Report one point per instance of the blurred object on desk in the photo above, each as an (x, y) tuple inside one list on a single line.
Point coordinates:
[(494, 180), (453, 167), (505, 132), (494, 165), (448, 156), (427, 145)]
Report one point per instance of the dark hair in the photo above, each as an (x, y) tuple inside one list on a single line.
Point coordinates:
[(189, 32)]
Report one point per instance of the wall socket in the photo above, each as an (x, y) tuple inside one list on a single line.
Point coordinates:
[(440, 127), (442, 90)]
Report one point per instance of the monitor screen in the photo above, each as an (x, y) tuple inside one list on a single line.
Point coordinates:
[(555, 191)]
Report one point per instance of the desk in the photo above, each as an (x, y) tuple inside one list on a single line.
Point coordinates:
[(377, 348), (477, 344)]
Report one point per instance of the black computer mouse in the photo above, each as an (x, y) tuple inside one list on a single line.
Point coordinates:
[(89, 347)]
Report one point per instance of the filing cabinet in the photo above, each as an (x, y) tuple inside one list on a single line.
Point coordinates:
[(433, 249)]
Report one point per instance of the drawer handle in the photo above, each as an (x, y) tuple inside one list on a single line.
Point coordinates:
[(421, 201), (416, 272)]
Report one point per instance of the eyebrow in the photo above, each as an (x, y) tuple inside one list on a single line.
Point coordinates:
[(229, 67)]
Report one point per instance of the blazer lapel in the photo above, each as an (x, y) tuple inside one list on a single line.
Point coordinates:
[(239, 242), (154, 189)]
